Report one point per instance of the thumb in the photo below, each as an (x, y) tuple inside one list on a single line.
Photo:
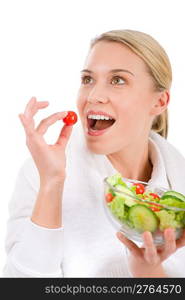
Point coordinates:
[(129, 244)]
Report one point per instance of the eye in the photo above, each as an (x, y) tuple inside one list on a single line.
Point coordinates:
[(85, 79), (117, 79)]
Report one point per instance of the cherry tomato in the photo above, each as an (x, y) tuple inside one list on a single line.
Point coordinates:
[(109, 197), (155, 196), (139, 188), (71, 118)]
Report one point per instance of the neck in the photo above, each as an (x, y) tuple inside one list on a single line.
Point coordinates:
[(133, 161)]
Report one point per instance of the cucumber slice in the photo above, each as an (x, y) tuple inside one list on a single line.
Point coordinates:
[(143, 218), (166, 197), (172, 201), (173, 194), (129, 201)]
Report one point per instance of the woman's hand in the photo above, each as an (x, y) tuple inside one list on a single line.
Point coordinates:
[(49, 159), (147, 260)]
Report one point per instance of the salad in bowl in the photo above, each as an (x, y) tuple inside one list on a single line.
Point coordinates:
[(134, 207)]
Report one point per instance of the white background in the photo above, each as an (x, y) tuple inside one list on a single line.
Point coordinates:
[(43, 45)]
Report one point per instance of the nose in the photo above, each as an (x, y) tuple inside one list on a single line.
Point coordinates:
[(96, 95), (95, 100)]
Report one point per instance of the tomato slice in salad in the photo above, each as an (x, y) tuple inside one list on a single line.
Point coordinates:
[(153, 208), (155, 196), (109, 197)]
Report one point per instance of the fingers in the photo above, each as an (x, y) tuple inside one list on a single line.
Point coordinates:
[(27, 117), (29, 105), (33, 106), (181, 241), (45, 123), (29, 130), (28, 122), (129, 244), (170, 243), (150, 252), (64, 135)]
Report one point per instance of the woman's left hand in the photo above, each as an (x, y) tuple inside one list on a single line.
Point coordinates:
[(147, 260)]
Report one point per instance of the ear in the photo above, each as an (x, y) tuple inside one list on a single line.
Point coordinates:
[(160, 103)]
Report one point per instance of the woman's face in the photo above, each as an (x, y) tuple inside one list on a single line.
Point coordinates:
[(128, 96)]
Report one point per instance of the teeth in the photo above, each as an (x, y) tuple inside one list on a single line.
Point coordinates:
[(99, 117)]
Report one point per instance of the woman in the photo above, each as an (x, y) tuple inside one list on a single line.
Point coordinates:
[(57, 226)]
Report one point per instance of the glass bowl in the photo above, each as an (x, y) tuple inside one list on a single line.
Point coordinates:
[(134, 206)]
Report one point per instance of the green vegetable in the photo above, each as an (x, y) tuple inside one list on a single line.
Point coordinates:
[(117, 207), (168, 219), (116, 179), (172, 201), (129, 201), (173, 194), (180, 217), (143, 218)]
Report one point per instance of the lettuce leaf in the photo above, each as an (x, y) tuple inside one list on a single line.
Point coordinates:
[(168, 219), (116, 179), (117, 207)]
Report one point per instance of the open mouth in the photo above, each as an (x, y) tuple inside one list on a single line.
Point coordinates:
[(99, 124)]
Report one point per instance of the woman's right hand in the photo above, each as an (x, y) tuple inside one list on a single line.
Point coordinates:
[(49, 159)]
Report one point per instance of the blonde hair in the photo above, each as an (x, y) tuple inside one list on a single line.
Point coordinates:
[(156, 60)]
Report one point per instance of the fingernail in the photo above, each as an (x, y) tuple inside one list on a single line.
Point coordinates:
[(21, 118), (62, 114), (119, 234), (65, 113)]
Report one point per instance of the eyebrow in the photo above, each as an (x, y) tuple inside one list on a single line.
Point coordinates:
[(111, 71)]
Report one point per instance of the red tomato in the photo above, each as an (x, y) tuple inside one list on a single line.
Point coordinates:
[(155, 196), (71, 118), (109, 197), (155, 204), (139, 188), (154, 208)]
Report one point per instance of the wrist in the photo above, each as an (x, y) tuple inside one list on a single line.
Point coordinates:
[(147, 272), (48, 205), (51, 184)]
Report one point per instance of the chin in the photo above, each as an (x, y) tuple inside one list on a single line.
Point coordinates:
[(98, 150)]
